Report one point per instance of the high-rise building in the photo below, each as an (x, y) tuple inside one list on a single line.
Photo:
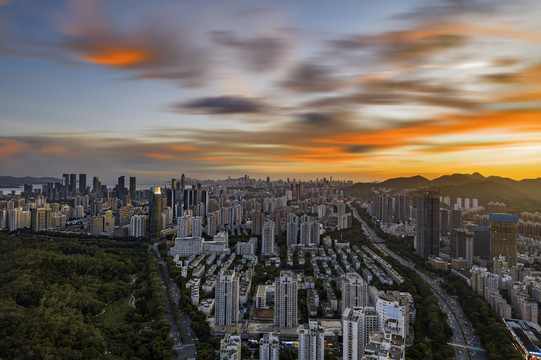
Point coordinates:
[(354, 291), (357, 326), (258, 219), (155, 206), (121, 186), (184, 226), (285, 300), (66, 180), (230, 347), (182, 183), (138, 225), (427, 238), (503, 237), (82, 184), (267, 238), (292, 231), (269, 347), (311, 341), (197, 226), (133, 189), (96, 184), (227, 299), (73, 184)]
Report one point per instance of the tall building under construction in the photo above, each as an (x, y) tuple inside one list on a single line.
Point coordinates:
[(503, 237)]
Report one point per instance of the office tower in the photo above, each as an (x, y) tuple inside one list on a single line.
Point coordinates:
[(73, 184), (155, 206), (267, 238), (121, 186), (96, 184), (269, 347), (503, 237), (285, 300), (357, 326), (82, 184), (133, 189), (227, 299), (182, 183), (311, 341), (354, 291), (66, 181), (427, 239), (230, 347)]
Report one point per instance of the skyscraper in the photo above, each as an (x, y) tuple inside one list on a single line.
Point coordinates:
[(155, 205), (73, 184), (503, 237), (311, 341), (82, 184), (96, 184), (227, 299), (121, 186), (267, 238), (285, 300), (427, 239), (354, 291), (133, 189)]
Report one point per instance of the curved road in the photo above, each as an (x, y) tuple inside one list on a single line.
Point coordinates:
[(467, 345)]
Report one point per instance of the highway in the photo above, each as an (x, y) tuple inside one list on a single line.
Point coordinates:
[(184, 341), (467, 345)]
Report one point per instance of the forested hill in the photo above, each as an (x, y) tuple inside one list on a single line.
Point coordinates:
[(523, 195), (10, 181), (69, 298)]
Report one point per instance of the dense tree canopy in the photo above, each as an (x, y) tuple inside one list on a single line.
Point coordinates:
[(77, 298)]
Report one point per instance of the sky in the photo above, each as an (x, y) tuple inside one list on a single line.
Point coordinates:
[(358, 90)]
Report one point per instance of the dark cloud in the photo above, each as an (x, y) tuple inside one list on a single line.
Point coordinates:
[(439, 10), (396, 92), (359, 149), (312, 78), (224, 105), (398, 46), (322, 118), (259, 54)]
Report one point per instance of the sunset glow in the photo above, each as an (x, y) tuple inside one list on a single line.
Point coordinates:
[(360, 91)]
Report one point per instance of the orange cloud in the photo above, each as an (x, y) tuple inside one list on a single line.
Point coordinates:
[(117, 56), (11, 147), (159, 156), (56, 150), (183, 147)]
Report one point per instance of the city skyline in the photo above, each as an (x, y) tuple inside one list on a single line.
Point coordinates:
[(361, 91)]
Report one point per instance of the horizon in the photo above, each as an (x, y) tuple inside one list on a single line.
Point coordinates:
[(113, 181), (362, 91)]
